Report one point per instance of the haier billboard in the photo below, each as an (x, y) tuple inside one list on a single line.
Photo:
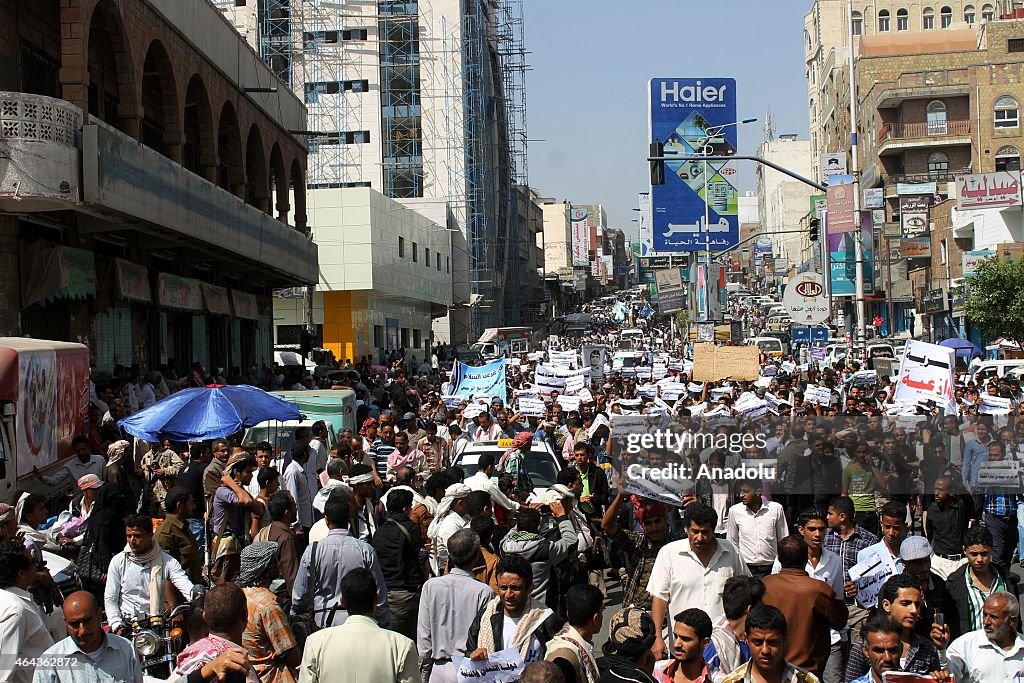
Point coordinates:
[(684, 115)]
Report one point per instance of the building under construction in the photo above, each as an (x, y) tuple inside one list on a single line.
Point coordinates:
[(425, 103)]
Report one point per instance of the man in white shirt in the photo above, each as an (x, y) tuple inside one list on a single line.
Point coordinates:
[(450, 518), (894, 530), (486, 429), (318, 446), (75, 468), (692, 572), (297, 484), (755, 527), (994, 653), (132, 584), (23, 629), (482, 481)]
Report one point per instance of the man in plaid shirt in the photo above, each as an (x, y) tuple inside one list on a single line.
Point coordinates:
[(1000, 508), (641, 549), (846, 539)]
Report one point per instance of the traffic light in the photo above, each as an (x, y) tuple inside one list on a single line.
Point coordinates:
[(812, 232), (657, 167)]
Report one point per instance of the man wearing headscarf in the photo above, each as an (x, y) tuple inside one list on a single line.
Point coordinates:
[(8, 523), (450, 517), (627, 652), (273, 650), (513, 460), (118, 469), (639, 549)]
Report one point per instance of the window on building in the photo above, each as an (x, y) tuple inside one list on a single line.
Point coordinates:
[(438, 263), (354, 34), (39, 72), (938, 166), (401, 247), (1006, 112), (1015, 45), (378, 336), (357, 137), (902, 20), (946, 16), (987, 13), (928, 19), (807, 41), (883, 21), (417, 339), (426, 256), (361, 85), (935, 114), (405, 337), (943, 252), (447, 264), (1008, 158), (969, 14), (415, 253), (858, 23)]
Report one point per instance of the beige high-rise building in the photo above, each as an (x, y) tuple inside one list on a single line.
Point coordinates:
[(826, 46)]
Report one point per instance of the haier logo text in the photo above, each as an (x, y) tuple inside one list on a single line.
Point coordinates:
[(674, 92)]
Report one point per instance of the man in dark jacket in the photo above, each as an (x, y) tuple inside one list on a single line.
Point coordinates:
[(536, 624), (402, 557), (594, 498), (398, 394), (539, 551)]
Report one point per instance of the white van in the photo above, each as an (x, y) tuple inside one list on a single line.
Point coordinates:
[(770, 346), (983, 370)]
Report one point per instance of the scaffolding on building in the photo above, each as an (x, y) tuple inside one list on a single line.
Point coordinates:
[(400, 99)]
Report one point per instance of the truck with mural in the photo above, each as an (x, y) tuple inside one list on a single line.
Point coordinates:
[(44, 403), (509, 342)]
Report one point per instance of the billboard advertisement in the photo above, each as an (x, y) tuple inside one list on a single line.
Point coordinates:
[(671, 290), (580, 236), (839, 203), (697, 207), (843, 258)]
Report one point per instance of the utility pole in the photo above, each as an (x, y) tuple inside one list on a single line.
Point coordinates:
[(855, 167)]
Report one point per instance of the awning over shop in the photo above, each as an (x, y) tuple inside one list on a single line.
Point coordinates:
[(217, 301), (133, 281), (54, 271), (183, 293), (245, 305)]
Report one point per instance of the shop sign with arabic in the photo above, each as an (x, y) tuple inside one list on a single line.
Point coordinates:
[(988, 190)]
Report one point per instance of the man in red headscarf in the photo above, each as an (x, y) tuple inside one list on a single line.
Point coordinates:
[(640, 549)]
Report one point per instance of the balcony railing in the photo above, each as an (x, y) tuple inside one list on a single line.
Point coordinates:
[(923, 129)]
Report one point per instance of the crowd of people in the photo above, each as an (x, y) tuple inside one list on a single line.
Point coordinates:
[(386, 555)]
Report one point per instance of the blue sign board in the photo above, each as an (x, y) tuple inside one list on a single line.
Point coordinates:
[(801, 335), (819, 335), (694, 116)]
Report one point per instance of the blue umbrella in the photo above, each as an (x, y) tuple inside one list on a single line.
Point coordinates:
[(208, 413), (964, 347)]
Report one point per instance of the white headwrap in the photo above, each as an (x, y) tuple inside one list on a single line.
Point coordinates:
[(451, 494), (116, 451), (320, 499), (361, 479)]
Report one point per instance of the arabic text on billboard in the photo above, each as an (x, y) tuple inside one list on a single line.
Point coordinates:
[(697, 207), (988, 190), (580, 237)]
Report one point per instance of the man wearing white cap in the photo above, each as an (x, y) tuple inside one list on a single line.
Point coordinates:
[(450, 518), (916, 553)]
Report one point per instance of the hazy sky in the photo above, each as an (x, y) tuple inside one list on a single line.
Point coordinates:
[(587, 90)]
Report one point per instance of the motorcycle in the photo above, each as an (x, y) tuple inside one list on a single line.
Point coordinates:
[(157, 641)]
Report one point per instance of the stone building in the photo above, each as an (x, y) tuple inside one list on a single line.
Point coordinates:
[(152, 183)]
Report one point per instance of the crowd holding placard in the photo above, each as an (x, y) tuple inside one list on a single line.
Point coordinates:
[(820, 523)]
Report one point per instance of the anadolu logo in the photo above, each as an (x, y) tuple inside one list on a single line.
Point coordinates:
[(809, 289)]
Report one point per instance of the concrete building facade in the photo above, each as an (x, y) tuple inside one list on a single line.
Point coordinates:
[(782, 201), (149, 200), (421, 101)]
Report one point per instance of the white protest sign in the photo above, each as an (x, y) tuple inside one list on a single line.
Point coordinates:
[(774, 403), (995, 405), (672, 392), (820, 395), (452, 401), (505, 666), (532, 407), (549, 378), (569, 403), (575, 383), (788, 367), (563, 358), (585, 396), (999, 474), (926, 374), (600, 421), (869, 576), (865, 378), (472, 410), (650, 485)]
